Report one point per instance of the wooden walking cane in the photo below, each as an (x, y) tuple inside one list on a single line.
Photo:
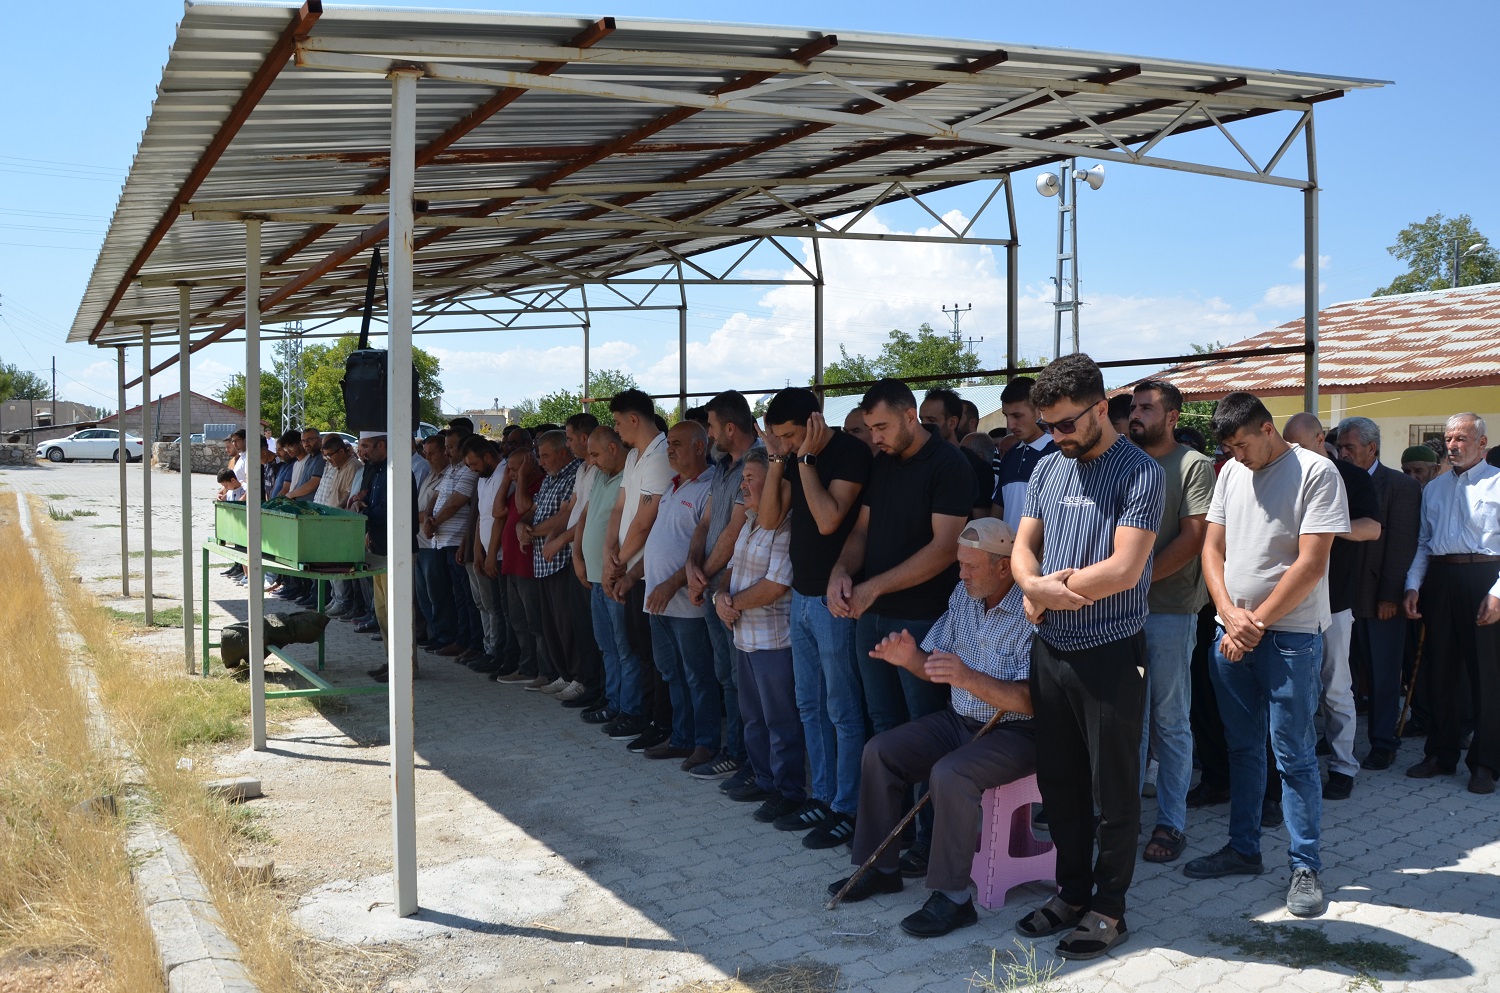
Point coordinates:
[(896, 831), (1411, 688)]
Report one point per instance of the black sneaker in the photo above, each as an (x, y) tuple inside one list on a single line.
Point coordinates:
[(811, 814), (721, 766), (1225, 862), (777, 806), (837, 830), (738, 780), (747, 792), (625, 727), (1304, 897), (600, 715), (649, 738)]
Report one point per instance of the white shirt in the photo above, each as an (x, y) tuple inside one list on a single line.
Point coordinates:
[(646, 474), (485, 491), (581, 487), (1460, 516)]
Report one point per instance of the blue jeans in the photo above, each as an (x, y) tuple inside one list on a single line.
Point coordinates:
[(1169, 648), (724, 671), (432, 571), (684, 657), (830, 700), (773, 735), (622, 669), (1279, 683)]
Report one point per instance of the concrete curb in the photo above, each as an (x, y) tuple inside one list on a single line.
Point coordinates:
[(196, 955)]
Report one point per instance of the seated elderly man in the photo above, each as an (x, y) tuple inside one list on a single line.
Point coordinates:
[(981, 647)]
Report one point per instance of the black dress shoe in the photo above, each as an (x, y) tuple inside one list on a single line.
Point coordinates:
[(1429, 768), (1378, 759), (376, 672), (1482, 780), (869, 884), (1207, 796), (1338, 787), (939, 916)]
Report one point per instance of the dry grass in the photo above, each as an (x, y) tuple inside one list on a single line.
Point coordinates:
[(162, 714), (772, 979), (66, 896)]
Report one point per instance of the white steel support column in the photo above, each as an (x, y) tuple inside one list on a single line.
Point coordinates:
[(400, 591), (124, 482), (145, 471), (1012, 285), (255, 576), (1310, 272), (185, 464), (682, 360), (818, 321)]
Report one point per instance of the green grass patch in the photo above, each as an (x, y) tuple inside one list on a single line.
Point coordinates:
[(58, 514), (158, 553), (1306, 946), (247, 823), (102, 525), (161, 617), (58, 496), (90, 513)]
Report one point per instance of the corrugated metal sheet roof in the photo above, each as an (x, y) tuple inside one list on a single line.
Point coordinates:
[(1436, 340), (312, 132)]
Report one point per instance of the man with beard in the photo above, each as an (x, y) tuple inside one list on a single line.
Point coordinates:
[(1177, 594), (1083, 561), (903, 548)]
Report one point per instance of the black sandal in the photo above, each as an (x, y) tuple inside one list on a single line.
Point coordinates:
[(1050, 918), (1174, 841), (1093, 937)]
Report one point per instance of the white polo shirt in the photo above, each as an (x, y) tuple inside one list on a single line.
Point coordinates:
[(646, 474)]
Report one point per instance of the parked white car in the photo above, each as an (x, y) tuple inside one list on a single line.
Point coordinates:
[(91, 443)]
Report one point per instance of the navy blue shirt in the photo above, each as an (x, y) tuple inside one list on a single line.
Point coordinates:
[(1080, 504), (375, 505)]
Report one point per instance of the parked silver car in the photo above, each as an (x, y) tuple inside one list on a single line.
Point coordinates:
[(91, 443)]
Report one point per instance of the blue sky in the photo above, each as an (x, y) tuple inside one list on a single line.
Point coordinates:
[(1167, 259)]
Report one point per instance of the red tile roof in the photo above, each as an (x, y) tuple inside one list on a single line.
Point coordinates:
[(1423, 341)]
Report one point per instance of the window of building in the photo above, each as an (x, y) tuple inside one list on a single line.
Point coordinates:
[(1427, 434)]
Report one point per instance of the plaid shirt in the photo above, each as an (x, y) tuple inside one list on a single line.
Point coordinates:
[(995, 642), (555, 491), (761, 554)]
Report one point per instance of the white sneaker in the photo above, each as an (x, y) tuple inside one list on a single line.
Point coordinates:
[(1150, 788), (572, 691), (555, 687)]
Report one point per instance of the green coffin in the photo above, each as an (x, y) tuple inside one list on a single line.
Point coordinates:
[(332, 537)]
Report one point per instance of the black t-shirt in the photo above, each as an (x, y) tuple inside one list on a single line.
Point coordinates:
[(902, 497), (1344, 559), (814, 554), (984, 480)]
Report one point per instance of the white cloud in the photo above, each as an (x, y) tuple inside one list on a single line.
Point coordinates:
[(1300, 262), (474, 379)]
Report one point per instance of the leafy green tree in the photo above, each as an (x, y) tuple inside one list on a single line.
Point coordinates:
[(1428, 247), (18, 384), (903, 356), (559, 405), (232, 394)]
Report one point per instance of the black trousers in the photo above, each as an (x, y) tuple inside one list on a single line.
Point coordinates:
[(1089, 706), (1461, 662), (656, 704), (559, 623)]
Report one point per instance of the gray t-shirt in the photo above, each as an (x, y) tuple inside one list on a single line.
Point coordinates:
[(726, 493), (1190, 490), (1264, 512), (671, 534)]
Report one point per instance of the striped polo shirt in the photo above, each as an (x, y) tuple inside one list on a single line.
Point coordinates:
[(1080, 504)]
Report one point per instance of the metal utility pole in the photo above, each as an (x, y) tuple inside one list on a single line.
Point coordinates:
[(293, 387), (956, 315), (1064, 186)]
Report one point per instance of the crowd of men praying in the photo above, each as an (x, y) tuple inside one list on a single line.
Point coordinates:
[(828, 620)]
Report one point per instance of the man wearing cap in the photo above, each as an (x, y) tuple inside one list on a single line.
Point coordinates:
[(1420, 462), (981, 647)]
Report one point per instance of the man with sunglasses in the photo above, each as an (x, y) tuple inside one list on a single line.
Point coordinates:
[(1083, 562)]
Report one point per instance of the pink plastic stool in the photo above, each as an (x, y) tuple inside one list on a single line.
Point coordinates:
[(1009, 853)]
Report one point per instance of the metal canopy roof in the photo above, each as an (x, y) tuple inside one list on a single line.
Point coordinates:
[(563, 151)]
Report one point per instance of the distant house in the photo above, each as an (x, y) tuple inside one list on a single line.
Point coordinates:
[(164, 417), (1406, 362), (18, 415)]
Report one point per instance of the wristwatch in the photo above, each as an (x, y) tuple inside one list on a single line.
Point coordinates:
[(809, 459), (777, 458)]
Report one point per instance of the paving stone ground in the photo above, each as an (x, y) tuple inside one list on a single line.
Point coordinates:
[(551, 858)]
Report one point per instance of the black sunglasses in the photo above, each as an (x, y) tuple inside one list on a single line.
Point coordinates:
[(1068, 424)]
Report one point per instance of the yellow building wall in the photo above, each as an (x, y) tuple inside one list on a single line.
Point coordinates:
[(1400, 414)]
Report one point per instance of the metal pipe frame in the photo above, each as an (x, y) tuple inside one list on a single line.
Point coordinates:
[(400, 651), (146, 569), (1310, 274), (124, 476), (255, 574), (185, 466)]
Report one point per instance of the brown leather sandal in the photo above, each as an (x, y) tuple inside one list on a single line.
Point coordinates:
[(1050, 918), (1093, 938)]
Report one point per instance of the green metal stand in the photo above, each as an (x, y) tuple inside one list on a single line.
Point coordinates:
[(320, 686)]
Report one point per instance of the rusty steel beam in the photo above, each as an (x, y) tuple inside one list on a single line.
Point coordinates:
[(587, 38), (276, 59)]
